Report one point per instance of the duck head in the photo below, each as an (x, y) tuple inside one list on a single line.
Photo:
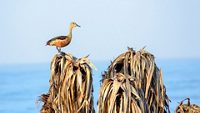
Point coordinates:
[(74, 24)]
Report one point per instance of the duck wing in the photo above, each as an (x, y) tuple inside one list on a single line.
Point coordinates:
[(56, 38)]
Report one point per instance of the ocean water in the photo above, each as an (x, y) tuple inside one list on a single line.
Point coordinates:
[(20, 85)]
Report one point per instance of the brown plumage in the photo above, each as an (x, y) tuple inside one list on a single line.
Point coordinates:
[(62, 41)]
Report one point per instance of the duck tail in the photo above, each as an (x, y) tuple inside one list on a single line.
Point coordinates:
[(48, 42)]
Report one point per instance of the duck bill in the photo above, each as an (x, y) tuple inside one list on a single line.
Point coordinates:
[(78, 25)]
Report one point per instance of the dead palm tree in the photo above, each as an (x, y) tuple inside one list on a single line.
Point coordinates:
[(133, 84), (70, 86), (187, 108)]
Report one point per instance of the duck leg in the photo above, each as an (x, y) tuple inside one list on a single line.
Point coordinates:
[(59, 49)]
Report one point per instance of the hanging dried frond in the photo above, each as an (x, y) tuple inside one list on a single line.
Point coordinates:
[(133, 84), (70, 86), (187, 108)]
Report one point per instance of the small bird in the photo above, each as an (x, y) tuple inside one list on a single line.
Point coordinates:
[(62, 41)]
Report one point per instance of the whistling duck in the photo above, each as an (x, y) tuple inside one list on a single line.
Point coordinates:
[(62, 41)]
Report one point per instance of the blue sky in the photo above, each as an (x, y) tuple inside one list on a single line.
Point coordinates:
[(169, 28)]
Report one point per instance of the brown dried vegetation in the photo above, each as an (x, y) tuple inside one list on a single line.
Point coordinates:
[(70, 86), (187, 108), (133, 84)]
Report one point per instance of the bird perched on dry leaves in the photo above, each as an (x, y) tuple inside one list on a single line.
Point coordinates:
[(62, 41)]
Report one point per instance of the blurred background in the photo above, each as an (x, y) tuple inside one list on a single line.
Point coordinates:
[(169, 29)]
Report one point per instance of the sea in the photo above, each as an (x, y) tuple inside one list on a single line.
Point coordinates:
[(22, 84)]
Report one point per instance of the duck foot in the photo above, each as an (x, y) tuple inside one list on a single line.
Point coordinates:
[(62, 53)]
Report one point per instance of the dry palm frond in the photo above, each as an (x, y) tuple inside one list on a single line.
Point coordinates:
[(187, 108), (47, 107), (70, 86), (133, 84)]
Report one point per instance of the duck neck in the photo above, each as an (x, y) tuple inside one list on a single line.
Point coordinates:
[(70, 32)]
